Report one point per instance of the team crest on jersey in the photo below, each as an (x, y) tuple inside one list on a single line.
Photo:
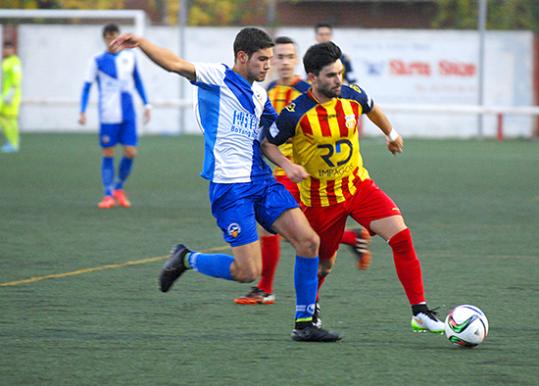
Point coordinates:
[(234, 229), (291, 107), (351, 122)]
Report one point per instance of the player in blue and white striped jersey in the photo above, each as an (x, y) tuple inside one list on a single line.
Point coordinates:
[(117, 76), (234, 113)]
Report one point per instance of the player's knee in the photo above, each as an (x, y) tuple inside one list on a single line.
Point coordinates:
[(308, 245), (246, 274), (246, 277), (130, 152), (108, 152)]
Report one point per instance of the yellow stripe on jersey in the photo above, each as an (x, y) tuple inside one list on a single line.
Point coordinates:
[(280, 96)]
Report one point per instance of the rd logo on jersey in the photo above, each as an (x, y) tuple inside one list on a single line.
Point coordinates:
[(234, 229)]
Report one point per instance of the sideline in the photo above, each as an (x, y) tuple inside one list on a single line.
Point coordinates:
[(148, 260)]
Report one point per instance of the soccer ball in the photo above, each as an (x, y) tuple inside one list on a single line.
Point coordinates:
[(466, 326)]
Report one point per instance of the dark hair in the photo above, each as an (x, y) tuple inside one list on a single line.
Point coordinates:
[(250, 40), (320, 55), (9, 44), (284, 40), (110, 29), (322, 25)]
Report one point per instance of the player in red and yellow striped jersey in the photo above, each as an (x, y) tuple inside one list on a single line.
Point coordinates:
[(335, 184), (281, 92), (284, 90)]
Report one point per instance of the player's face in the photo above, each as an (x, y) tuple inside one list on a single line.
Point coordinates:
[(258, 64), (329, 80), (285, 60), (109, 37), (323, 35), (8, 51)]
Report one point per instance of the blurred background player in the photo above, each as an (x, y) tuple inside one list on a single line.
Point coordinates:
[(323, 32), (117, 76), (234, 113), (281, 92), (323, 129), (11, 98)]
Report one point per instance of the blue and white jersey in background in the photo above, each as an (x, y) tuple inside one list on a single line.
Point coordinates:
[(233, 115), (117, 77)]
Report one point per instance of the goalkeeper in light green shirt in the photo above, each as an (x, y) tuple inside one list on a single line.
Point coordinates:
[(10, 98)]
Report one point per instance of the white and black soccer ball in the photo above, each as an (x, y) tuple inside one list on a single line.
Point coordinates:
[(466, 326)]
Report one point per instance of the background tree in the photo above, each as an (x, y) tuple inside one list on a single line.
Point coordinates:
[(502, 14)]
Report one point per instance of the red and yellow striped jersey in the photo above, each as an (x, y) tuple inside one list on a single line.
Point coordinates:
[(281, 95), (325, 141)]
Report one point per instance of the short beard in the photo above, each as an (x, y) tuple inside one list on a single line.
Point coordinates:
[(328, 93)]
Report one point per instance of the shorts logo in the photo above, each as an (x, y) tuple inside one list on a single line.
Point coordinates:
[(234, 229), (105, 139)]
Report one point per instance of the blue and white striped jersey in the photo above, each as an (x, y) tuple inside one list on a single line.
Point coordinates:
[(117, 77), (233, 115)]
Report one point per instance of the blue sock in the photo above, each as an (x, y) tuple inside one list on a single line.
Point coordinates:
[(306, 283), (215, 265), (107, 174), (123, 171)]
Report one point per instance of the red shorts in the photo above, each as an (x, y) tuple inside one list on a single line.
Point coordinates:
[(368, 203), (290, 185)]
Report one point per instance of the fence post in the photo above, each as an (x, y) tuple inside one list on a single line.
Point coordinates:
[(499, 127)]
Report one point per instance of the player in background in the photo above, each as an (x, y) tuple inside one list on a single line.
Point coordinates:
[(234, 112), (281, 92), (10, 99), (323, 32), (117, 77), (322, 125)]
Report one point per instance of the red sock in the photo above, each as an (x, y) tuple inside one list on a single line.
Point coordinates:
[(348, 237), (321, 280), (271, 251), (408, 266)]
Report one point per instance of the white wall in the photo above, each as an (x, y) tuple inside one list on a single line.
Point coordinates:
[(394, 66), (391, 65)]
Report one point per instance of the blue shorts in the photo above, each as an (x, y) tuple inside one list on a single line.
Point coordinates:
[(125, 133), (238, 207)]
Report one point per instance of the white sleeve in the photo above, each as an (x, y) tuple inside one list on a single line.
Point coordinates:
[(91, 74), (210, 73)]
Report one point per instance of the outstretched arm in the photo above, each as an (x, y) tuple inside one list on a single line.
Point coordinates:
[(395, 144), (163, 57)]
